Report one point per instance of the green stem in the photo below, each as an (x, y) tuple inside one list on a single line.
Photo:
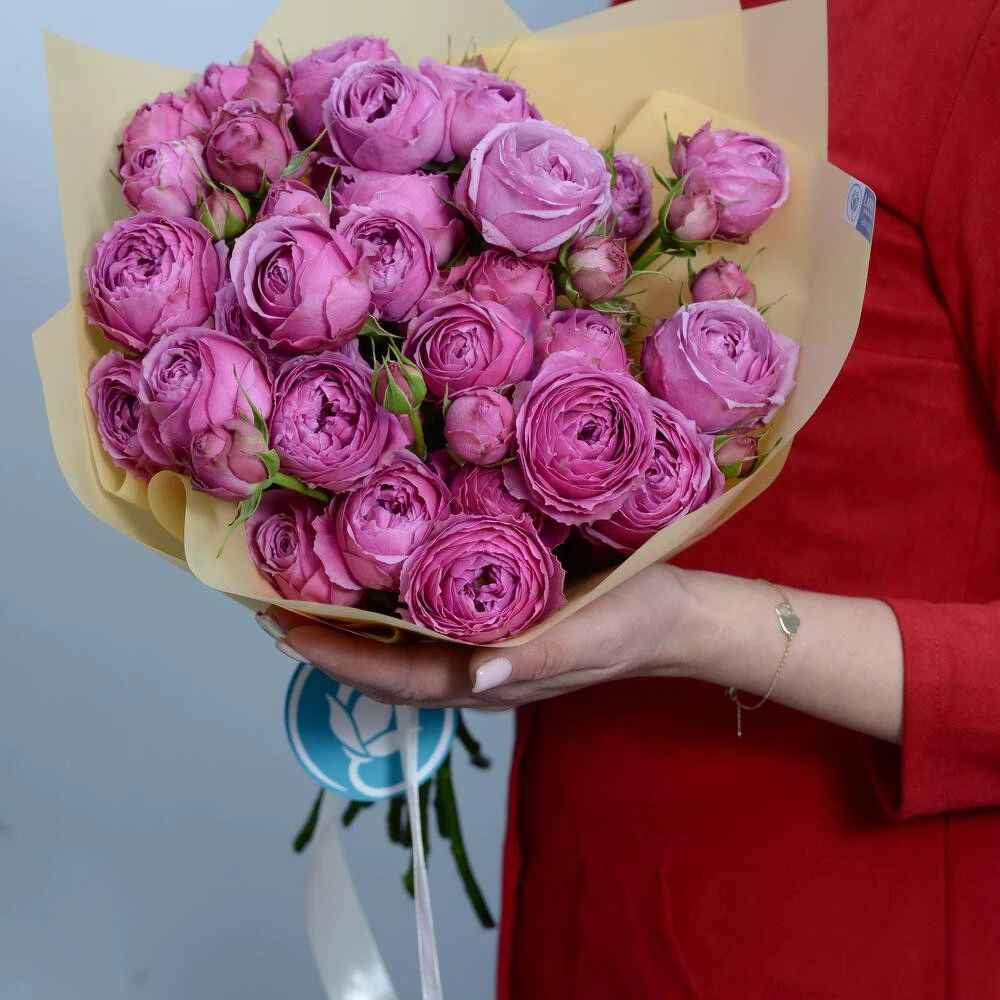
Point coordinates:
[(291, 483), (352, 812), (395, 820), (418, 434), (446, 808), (472, 746), (309, 827), (638, 255)]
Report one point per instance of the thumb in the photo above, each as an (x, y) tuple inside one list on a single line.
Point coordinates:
[(490, 667)]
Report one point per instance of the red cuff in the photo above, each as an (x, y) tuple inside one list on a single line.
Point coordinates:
[(950, 757)]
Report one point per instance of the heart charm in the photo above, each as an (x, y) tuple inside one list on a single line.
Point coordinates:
[(787, 619)]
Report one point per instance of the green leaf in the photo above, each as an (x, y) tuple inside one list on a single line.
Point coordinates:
[(305, 835), (271, 462), (671, 144)]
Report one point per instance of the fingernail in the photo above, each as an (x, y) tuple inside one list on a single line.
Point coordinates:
[(289, 652), (491, 674), (270, 625)]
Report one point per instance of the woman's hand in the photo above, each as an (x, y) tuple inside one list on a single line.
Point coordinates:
[(629, 631)]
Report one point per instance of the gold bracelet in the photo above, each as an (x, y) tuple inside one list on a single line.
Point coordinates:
[(788, 622)]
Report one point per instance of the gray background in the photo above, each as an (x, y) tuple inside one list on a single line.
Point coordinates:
[(147, 795)]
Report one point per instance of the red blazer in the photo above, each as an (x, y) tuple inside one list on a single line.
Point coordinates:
[(650, 853)]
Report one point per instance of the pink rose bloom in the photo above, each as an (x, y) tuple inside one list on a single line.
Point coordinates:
[(399, 256), (682, 476), (113, 392), (426, 197), (384, 116), (584, 440), (476, 489), (313, 76), (736, 456), (380, 523), (290, 197), (282, 542), (149, 275), (631, 197), (501, 276), (303, 287), (327, 427), (167, 118), (694, 216), (193, 379), (249, 144), (598, 267), (459, 344), (475, 101), (443, 464), (264, 78), (530, 187), (479, 426), (720, 364), (225, 459), (723, 279), (167, 178), (481, 579), (595, 335), (747, 174)]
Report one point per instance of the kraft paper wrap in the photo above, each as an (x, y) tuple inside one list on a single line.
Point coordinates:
[(625, 69)]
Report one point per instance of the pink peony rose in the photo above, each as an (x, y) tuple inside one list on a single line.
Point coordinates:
[(595, 335), (598, 267), (264, 78), (167, 178), (631, 197), (479, 426), (694, 216), (167, 118), (291, 197), (149, 275), (723, 279), (481, 579), (501, 276), (249, 144), (225, 459), (720, 364)]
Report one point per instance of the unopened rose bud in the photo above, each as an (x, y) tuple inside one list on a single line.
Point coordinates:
[(736, 456), (399, 386), (723, 280), (479, 426), (225, 460), (694, 217), (598, 267), (225, 214)]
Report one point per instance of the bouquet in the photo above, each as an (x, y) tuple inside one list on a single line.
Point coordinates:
[(405, 344)]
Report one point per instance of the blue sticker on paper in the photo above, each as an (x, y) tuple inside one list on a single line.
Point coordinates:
[(350, 744), (859, 209)]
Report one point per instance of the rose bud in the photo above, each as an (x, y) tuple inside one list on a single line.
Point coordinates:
[(736, 456), (720, 364), (313, 76), (196, 378), (225, 214), (378, 525), (264, 78), (167, 178), (479, 426), (693, 218), (167, 118), (501, 276), (225, 459), (598, 267), (748, 175), (113, 392), (303, 287), (584, 439), (682, 476), (291, 197), (327, 427), (480, 579), (631, 197), (427, 197), (520, 202), (400, 259), (249, 144), (384, 116), (149, 275), (595, 335), (282, 541), (459, 344), (723, 280), (399, 386), (476, 101)]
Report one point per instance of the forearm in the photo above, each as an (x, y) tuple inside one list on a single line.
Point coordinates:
[(845, 663)]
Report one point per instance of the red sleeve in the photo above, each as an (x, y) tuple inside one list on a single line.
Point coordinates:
[(950, 755)]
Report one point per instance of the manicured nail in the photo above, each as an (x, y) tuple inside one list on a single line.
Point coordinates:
[(289, 652), (270, 625), (491, 674)]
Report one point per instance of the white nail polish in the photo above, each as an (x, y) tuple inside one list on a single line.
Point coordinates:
[(292, 654), (491, 674), (270, 626)]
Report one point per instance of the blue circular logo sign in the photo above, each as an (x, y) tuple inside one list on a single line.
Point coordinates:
[(855, 197), (351, 744)]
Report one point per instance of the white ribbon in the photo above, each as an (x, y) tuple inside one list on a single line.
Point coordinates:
[(347, 958)]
